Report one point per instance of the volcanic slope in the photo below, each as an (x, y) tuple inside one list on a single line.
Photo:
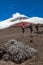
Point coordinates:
[(36, 41)]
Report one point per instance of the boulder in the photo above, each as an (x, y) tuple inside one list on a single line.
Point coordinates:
[(19, 51)]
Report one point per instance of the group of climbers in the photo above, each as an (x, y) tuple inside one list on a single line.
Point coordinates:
[(31, 27)]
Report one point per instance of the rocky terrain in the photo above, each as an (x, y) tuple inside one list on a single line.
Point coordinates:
[(36, 42)]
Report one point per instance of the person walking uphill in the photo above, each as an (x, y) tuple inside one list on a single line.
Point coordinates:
[(23, 28), (37, 27), (30, 27)]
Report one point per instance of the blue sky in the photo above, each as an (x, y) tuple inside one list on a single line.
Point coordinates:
[(27, 7)]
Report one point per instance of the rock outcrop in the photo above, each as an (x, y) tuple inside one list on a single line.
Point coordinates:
[(17, 51)]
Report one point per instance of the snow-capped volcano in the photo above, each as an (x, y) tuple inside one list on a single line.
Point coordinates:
[(18, 18), (18, 15)]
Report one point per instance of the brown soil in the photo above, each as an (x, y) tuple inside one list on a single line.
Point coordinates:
[(36, 41)]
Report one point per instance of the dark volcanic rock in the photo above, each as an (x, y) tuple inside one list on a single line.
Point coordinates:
[(2, 51), (18, 51)]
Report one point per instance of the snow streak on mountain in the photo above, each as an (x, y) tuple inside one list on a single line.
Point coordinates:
[(17, 18)]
